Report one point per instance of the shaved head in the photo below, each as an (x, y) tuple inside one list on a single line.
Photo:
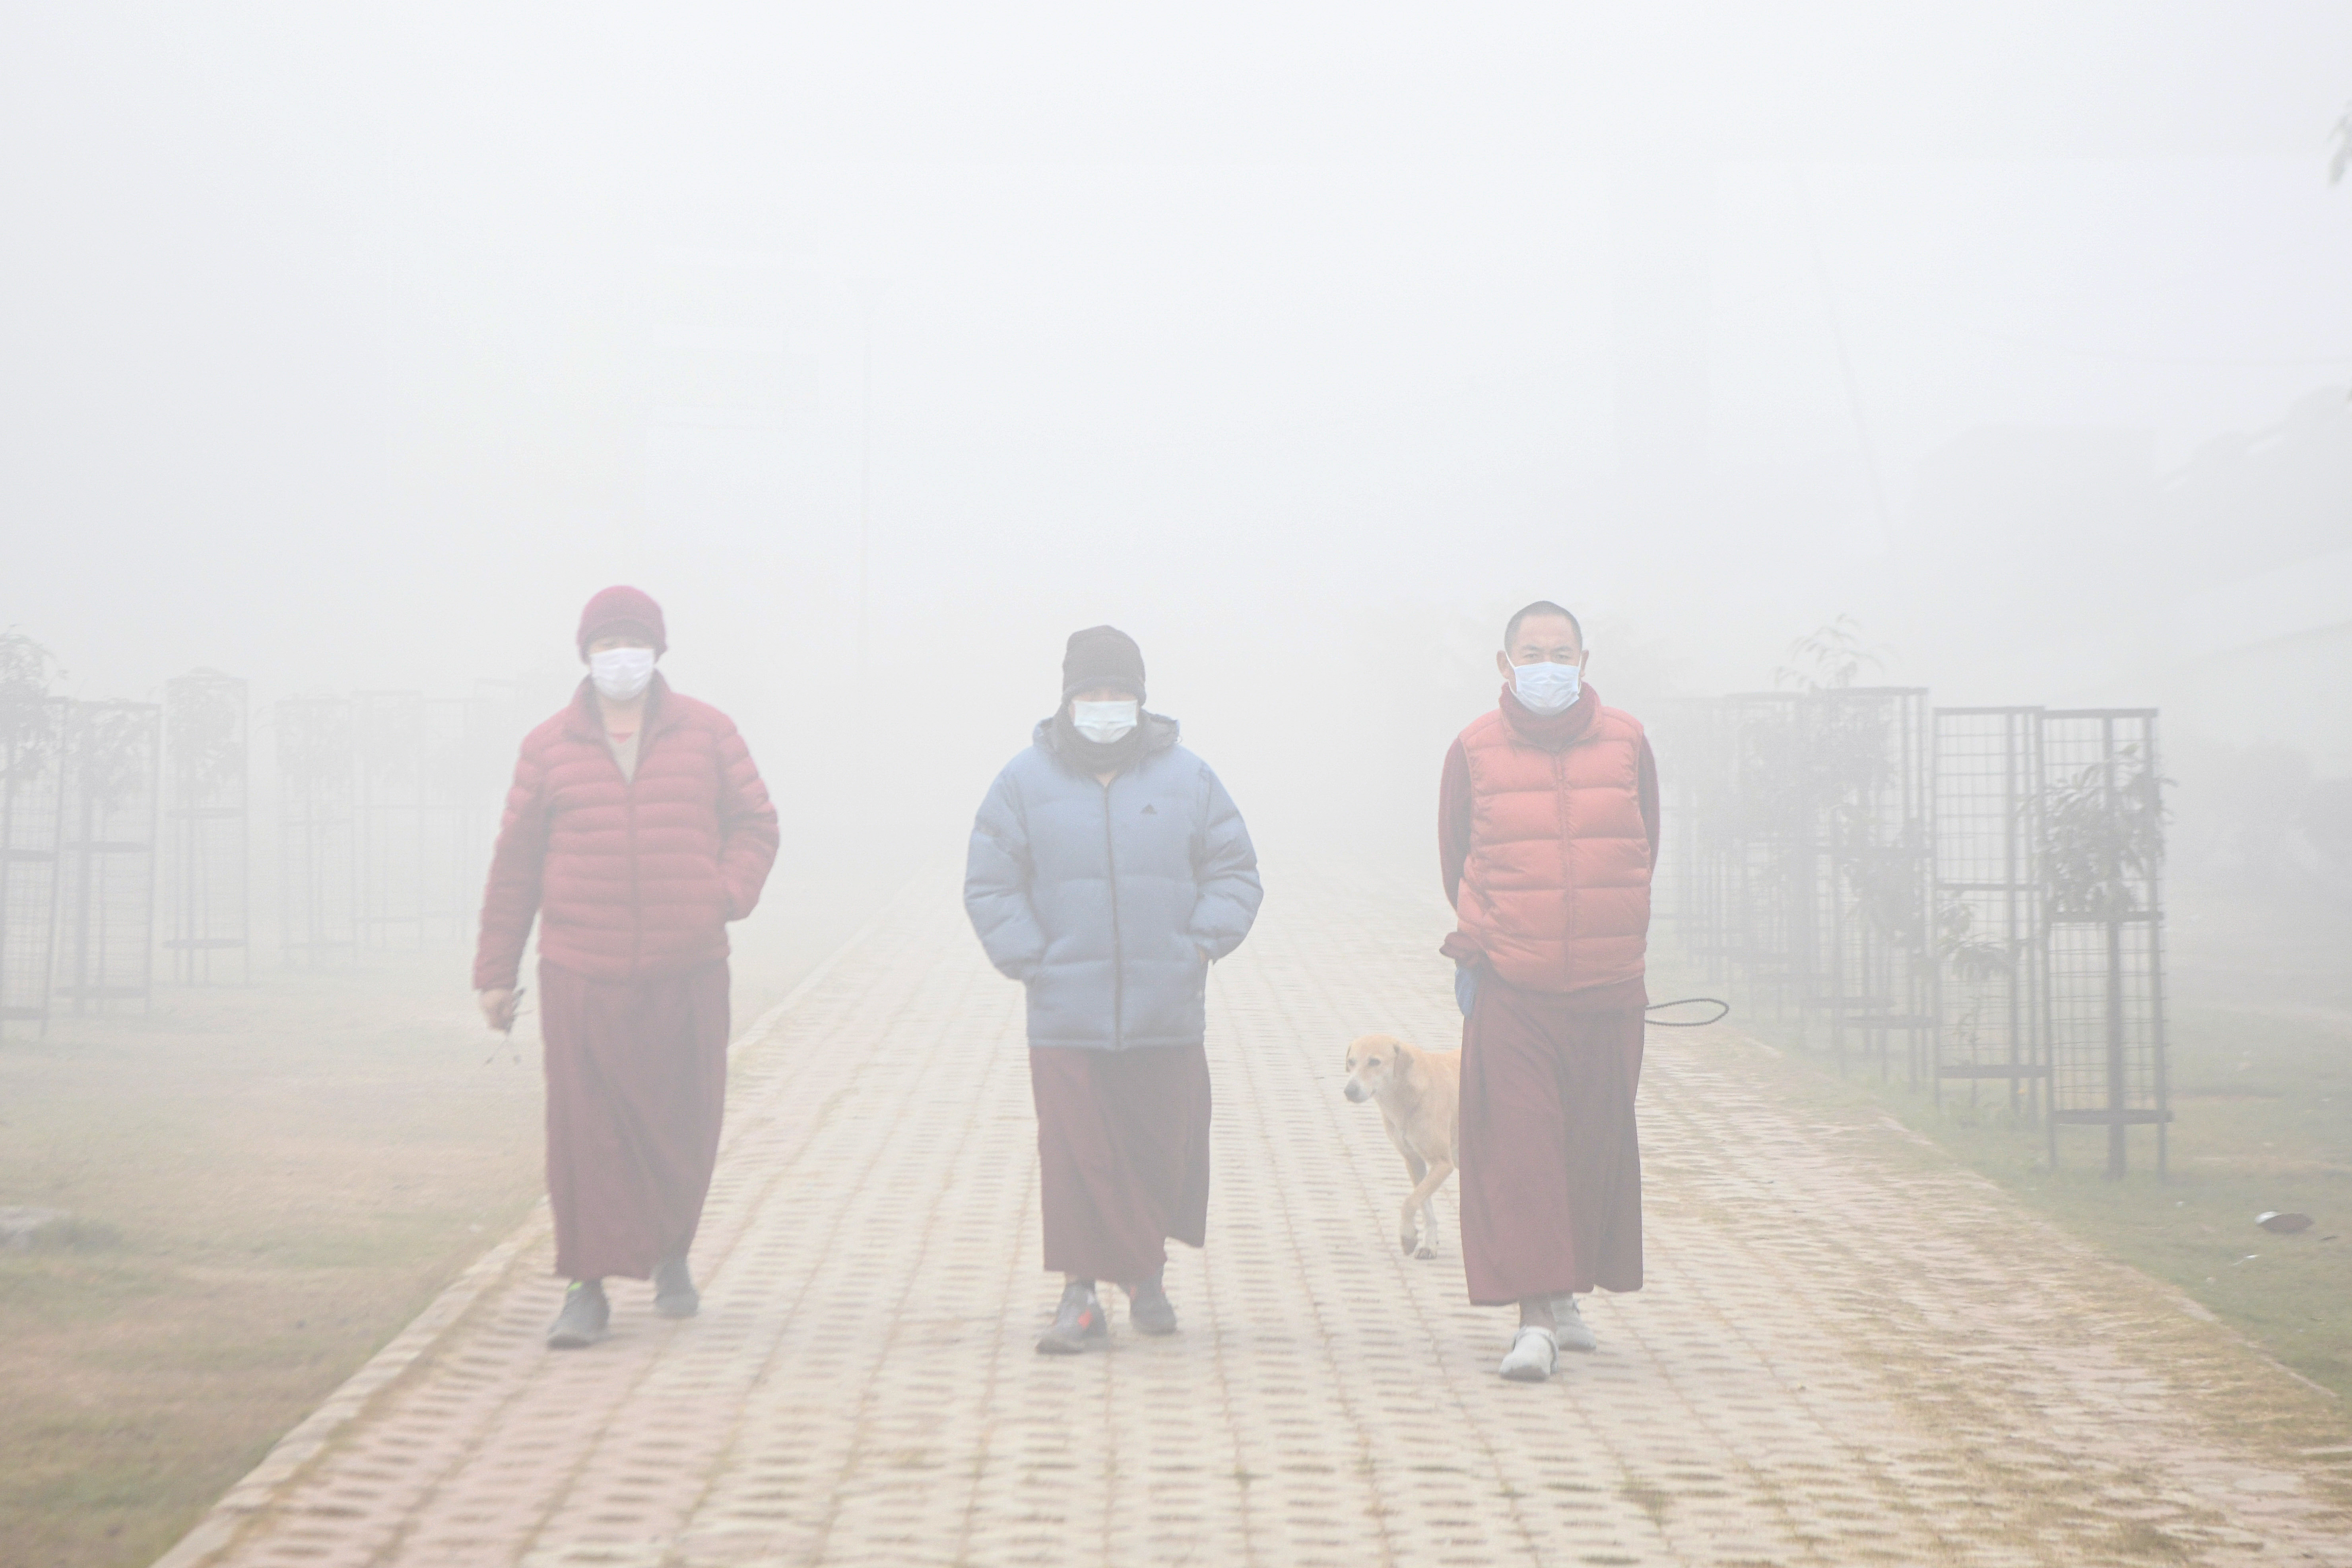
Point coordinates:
[(1542, 607)]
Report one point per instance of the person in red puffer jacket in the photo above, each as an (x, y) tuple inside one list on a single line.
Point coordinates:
[(1548, 830), (636, 829)]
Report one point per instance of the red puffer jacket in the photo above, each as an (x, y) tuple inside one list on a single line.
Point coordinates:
[(632, 879), (1554, 846)]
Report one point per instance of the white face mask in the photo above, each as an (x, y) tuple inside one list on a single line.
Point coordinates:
[(621, 674), (1103, 722), (1547, 688)]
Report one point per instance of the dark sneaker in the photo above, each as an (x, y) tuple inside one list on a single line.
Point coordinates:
[(674, 1292), (1078, 1324), (1150, 1309), (585, 1317)]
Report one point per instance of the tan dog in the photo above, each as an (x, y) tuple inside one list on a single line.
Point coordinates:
[(1420, 1096)]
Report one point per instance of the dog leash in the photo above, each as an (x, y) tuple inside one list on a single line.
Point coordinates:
[(1722, 1006), (514, 1011)]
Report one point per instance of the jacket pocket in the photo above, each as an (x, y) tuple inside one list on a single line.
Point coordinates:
[(732, 905), (712, 892)]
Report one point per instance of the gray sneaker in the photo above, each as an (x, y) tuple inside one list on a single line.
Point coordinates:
[(1148, 1307), (1568, 1326), (585, 1319), (674, 1292), (1078, 1324)]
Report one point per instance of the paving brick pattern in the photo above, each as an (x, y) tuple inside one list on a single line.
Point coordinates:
[(1848, 1351)]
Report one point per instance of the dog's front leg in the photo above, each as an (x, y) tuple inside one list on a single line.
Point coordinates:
[(1419, 1170), (1423, 1199), (1414, 1243)]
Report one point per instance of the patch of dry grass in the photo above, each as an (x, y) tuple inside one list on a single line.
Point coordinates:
[(268, 1182)]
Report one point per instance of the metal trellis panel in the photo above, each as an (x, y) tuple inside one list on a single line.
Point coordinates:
[(1989, 903), (208, 744), (1687, 892), (1865, 761), (32, 779), (2102, 854), (315, 829), (106, 893), (1768, 852)]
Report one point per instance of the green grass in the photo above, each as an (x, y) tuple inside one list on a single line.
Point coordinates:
[(2260, 1001)]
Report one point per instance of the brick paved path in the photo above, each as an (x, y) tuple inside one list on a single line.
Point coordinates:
[(1848, 1351)]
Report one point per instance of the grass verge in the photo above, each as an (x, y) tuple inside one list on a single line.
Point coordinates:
[(265, 1184), (2260, 1013)]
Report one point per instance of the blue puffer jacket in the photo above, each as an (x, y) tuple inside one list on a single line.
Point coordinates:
[(1109, 902)]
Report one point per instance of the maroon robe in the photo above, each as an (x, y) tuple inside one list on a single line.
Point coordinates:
[(1123, 1157), (636, 1080), (1550, 1167)]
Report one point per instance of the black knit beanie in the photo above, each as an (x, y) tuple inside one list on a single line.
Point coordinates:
[(1102, 655)]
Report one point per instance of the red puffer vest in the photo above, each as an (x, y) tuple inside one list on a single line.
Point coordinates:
[(632, 878), (1557, 887)]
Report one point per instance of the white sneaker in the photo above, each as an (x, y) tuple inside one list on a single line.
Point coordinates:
[(1568, 1326), (1534, 1354)]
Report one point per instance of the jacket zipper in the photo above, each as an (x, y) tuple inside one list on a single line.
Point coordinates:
[(1117, 947), (629, 793), (1567, 857)]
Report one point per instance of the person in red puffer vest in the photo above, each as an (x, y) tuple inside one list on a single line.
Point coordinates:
[(636, 829), (1548, 830)]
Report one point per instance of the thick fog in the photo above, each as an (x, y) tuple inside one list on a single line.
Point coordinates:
[(885, 345)]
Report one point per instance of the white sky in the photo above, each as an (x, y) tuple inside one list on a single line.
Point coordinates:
[(351, 348)]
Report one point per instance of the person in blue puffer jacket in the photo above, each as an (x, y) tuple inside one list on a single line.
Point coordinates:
[(1109, 868)]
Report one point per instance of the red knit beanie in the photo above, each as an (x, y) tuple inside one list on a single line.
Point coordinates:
[(621, 608)]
